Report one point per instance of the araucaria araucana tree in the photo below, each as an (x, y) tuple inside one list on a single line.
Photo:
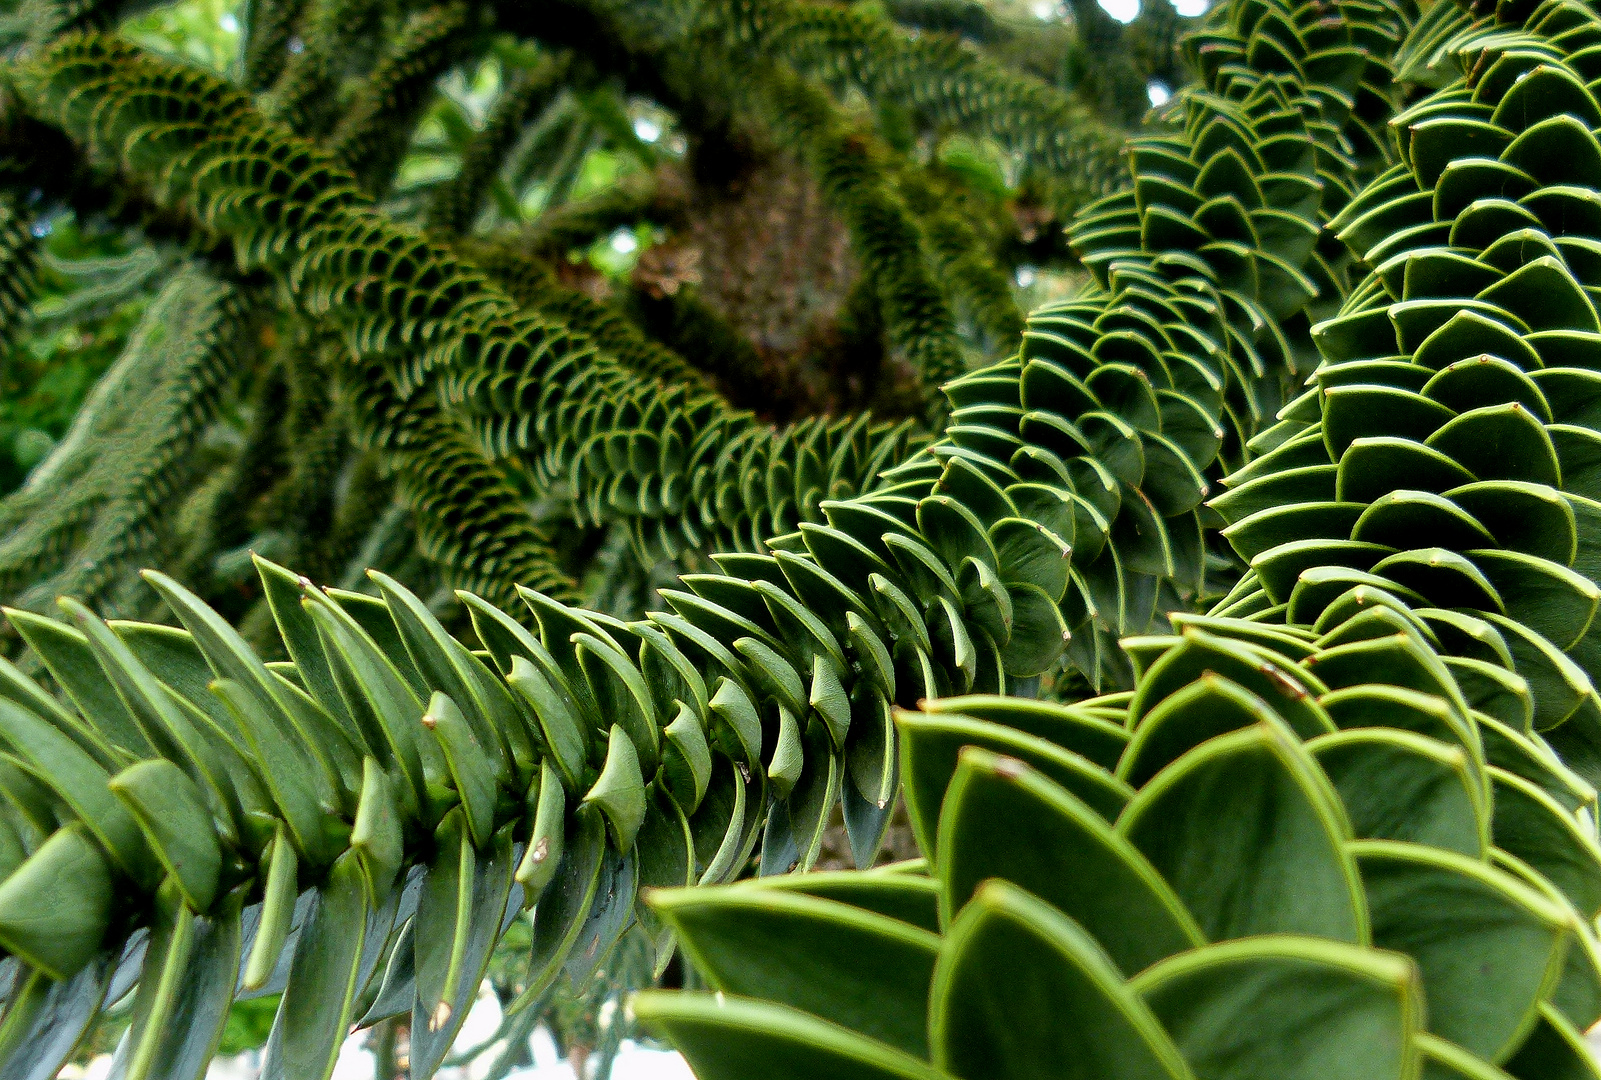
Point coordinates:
[(1227, 627)]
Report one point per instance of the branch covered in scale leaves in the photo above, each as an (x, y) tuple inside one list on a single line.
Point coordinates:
[(525, 95), (682, 466), (470, 519), (590, 757), (393, 95), (952, 85), (18, 272), (95, 506), (1270, 843)]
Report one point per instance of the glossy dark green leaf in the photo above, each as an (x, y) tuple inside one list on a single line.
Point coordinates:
[(1499, 442), (811, 802), (233, 661), (911, 898), (1249, 833), (183, 736), (1503, 955), (863, 971), (283, 591), (560, 915), (954, 532), (559, 716), (1003, 820), (56, 907), (286, 771), (1447, 1061), (469, 762), (931, 745), (1366, 411), (67, 655), (619, 793), (734, 707), (1069, 727), (870, 746), (1210, 706), (204, 760), (719, 823), (1268, 528), (1038, 634), (1396, 520), (867, 820), (1557, 684), (614, 910), (448, 667), (376, 834), (444, 911), (1029, 552), (27, 693), (686, 757), (184, 994), (1533, 826), (1282, 685), (439, 1011), (80, 782), (1022, 992), (1547, 597), (45, 1019), (1394, 660), (397, 990), (1554, 1050), (1289, 1008), (277, 914), (172, 812), (1381, 705), (383, 703), (776, 675), (1578, 994), (665, 848), (1396, 785), (546, 841), (789, 755), (625, 698)]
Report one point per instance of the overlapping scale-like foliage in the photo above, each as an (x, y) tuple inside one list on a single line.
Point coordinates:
[(185, 796), (469, 516), (1359, 749), (17, 269), (934, 75), (1128, 399), (1286, 853), (1148, 884), (1444, 458), (395, 93), (677, 461), (100, 500)]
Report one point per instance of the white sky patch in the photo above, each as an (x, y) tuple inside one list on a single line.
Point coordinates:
[(647, 129), (1025, 276), (1046, 10), (229, 24), (1158, 93), (1124, 11), (1191, 9), (624, 242)]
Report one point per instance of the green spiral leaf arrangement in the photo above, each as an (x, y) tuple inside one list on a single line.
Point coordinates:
[(1261, 862), (1344, 825), (1245, 867)]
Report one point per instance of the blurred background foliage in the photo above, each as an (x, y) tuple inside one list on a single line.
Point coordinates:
[(586, 179)]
